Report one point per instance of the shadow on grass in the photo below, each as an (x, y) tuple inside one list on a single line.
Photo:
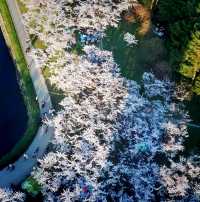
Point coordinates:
[(148, 55), (56, 95)]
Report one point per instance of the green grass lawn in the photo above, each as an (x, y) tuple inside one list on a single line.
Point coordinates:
[(148, 55), (27, 89)]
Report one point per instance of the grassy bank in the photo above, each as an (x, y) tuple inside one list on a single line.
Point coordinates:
[(148, 55), (26, 87)]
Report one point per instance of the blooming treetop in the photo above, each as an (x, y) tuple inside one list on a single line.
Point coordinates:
[(130, 39), (7, 195), (114, 139), (109, 137)]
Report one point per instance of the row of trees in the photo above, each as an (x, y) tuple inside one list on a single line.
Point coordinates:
[(115, 140), (149, 3), (182, 20)]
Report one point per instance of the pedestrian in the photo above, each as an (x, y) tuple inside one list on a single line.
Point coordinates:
[(44, 118), (9, 167), (46, 130), (51, 112), (13, 167), (37, 150), (27, 50), (25, 156), (43, 104)]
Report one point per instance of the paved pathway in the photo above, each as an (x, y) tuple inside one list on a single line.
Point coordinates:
[(23, 166), (194, 125)]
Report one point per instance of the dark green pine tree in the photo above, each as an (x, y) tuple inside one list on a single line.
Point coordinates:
[(182, 19), (190, 64)]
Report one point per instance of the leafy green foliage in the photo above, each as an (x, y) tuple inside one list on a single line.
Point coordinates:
[(22, 7), (37, 42), (31, 186), (182, 19), (148, 54), (196, 87), (148, 3), (191, 59)]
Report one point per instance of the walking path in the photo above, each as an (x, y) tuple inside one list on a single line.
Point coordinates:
[(194, 125), (24, 165)]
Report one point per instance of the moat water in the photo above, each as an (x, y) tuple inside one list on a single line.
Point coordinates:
[(13, 114)]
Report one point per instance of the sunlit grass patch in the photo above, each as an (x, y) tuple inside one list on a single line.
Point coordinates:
[(22, 6), (31, 186), (37, 42)]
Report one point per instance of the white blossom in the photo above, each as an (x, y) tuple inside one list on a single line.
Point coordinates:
[(7, 195), (130, 39), (111, 133)]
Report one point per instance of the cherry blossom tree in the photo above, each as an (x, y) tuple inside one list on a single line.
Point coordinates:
[(7, 195), (115, 140)]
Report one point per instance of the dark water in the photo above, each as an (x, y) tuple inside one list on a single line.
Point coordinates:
[(13, 115)]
